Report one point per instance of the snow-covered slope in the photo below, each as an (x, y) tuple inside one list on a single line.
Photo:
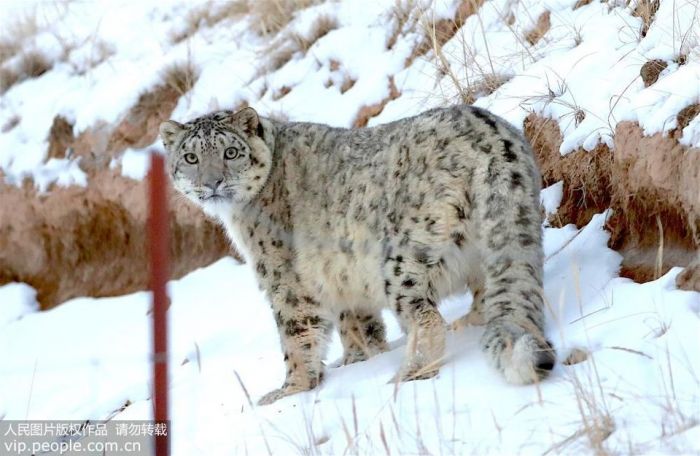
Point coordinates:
[(636, 392), (584, 71), (635, 387)]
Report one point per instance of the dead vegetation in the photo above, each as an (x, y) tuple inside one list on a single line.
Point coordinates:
[(320, 28), (347, 83), (180, 77), (646, 11), (281, 92), (689, 279), (208, 15), (11, 123), (405, 16), (540, 29), (686, 115), (278, 56), (269, 17), (29, 65), (650, 71), (98, 234), (16, 62), (97, 146), (287, 45), (139, 128), (586, 175), (483, 82), (479, 78), (597, 423), (15, 35), (373, 110), (409, 17), (60, 137), (647, 179)]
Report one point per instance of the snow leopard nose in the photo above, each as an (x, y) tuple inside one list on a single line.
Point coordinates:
[(213, 185)]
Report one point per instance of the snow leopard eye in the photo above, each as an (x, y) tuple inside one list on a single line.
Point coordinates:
[(191, 158), (231, 153)]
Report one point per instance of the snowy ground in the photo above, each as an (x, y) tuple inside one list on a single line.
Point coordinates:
[(639, 387), (636, 393)]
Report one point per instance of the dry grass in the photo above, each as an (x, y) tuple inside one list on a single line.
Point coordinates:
[(269, 17), (16, 65), (320, 28), (210, 14), (33, 64), (484, 82), (687, 114), (646, 11), (347, 82), (180, 77), (8, 78), (369, 111), (283, 49), (278, 56), (650, 71), (100, 51), (405, 16), (60, 137), (30, 65), (139, 128), (581, 3), (555, 95), (14, 36), (409, 17), (470, 75), (541, 27), (11, 123), (280, 93)]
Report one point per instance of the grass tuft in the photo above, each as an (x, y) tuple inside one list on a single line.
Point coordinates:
[(30, 65), (208, 15), (287, 45), (646, 11), (320, 28), (269, 17), (15, 35), (180, 77), (541, 27)]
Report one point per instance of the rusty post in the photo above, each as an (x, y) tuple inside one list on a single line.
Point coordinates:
[(158, 243)]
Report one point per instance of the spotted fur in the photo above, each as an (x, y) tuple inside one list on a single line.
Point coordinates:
[(339, 224)]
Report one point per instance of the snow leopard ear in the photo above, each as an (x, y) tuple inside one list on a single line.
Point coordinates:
[(170, 132), (247, 120)]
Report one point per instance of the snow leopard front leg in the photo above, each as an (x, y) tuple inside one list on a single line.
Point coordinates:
[(303, 334), (303, 331)]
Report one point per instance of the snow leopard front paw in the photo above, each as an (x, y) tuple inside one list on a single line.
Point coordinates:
[(279, 393)]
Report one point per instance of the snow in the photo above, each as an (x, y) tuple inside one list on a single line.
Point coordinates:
[(88, 358), (550, 197), (135, 163), (221, 328), (584, 72), (16, 301)]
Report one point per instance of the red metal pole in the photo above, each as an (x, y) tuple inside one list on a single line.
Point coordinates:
[(158, 242)]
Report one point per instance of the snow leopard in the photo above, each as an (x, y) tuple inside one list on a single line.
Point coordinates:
[(339, 224)]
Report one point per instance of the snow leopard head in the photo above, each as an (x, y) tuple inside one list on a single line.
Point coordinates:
[(220, 159)]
